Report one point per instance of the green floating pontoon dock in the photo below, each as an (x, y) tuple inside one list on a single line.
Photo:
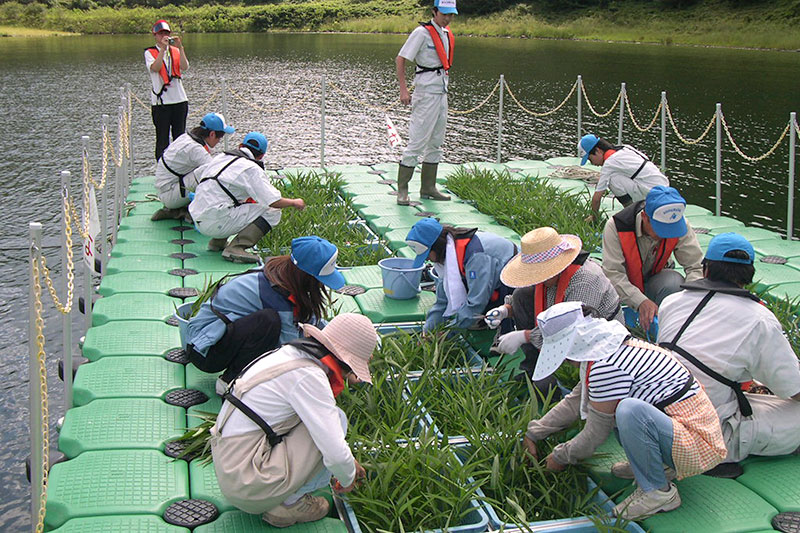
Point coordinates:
[(138, 391)]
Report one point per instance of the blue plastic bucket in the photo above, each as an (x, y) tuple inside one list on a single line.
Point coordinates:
[(400, 279), (182, 314)]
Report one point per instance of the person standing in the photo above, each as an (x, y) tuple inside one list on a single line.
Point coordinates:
[(430, 46), (166, 62), (625, 171)]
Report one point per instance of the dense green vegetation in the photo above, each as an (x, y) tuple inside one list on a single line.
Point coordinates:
[(750, 23)]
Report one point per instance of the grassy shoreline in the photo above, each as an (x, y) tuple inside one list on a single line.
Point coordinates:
[(713, 23)]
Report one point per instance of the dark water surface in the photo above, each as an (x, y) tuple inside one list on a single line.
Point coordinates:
[(55, 89)]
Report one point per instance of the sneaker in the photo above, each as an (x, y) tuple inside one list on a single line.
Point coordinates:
[(623, 470), (307, 509), (641, 504)]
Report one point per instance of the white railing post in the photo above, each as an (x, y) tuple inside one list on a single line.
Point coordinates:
[(104, 245), (66, 318), (718, 202), (35, 392), (500, 119), (130, 127), (84, 222), (125, 159), (663, 131), (579, 90), (621, 113), (119, 191), (225, 110), (790, 201), (322, 126)]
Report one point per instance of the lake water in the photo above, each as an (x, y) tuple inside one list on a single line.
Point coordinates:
[(55, 89)]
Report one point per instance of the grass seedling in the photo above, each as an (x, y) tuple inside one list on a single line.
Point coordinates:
[(197, 440), (415, 351)]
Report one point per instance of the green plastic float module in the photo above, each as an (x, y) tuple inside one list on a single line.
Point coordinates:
[(114, 482), (142, 263), (533, 173), (193, 414), (484, 165), (125, 282), (779, 247), (368, 276), (346, 169), (367, 200), (127, 377), (775, 480), (202, 381), (160, 249), (600, 464), (526, 164), (239, 522), (356, 189), (769, 274), (203, 485), (139, 180), (711, 222), (573, 186), (386, 210), (439, 208), (380, 309), (193, 235), (120, 424), (149, 234), (755, 235), (381, 225), (296, 171), (363, 177), (569, 162), (144, 208), (132, 337), (406, 252), (396, 238), (141, 196), (342, 303), (208, 261), (713, 505), (119, 524), (143, 221), (695, 211), (469, 220), (134, 306)]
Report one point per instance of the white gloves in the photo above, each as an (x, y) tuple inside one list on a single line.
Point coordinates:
[(511, 342), (495, 316)]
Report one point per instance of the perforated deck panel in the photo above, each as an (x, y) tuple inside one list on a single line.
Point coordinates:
[(134, 306), (133, 337), (127, 377), (156, 282), (159, 249), (119, 524), (776, 480), (380, 309)]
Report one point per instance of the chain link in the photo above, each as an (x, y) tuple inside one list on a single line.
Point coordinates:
[(739, 150), (70, 267), (591, 107), (546, 113), (485, 100), (144, 106), (45, 428), (797, 128), (633, 119), (271, 111), (202, 108), (363, 103), (686, 140)]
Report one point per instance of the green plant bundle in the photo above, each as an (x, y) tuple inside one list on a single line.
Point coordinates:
[(326, 215), (417, 487), (527, 204), (786, 311), (412, 351), (197, 440)]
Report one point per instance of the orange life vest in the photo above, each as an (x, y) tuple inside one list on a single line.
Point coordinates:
[(625, 222), (446, 59), (540, 294), (175, 54)]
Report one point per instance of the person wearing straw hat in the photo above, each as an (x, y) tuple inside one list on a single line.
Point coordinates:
[(625, 171), (468, 264), (235, 196), (663, 416), (175, 168), (260, 310), (551, 269), (696, 324), (166, 62), (431, 46), (638, 243), (279, 435)]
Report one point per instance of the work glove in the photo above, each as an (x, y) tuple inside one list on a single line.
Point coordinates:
[(511, 342), (495, 316)]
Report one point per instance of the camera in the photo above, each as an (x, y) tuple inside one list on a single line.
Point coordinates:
[(171, 40)]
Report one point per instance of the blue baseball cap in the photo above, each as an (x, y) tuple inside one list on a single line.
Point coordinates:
[(586, 145), (256, 141), (727, 242), (665, 206), (317, 257), (446, 6), (216, 122), (421, 237)]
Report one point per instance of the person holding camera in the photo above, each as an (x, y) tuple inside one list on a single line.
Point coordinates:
[(166, 61)]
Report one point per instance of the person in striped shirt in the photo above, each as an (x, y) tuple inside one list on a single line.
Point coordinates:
[(663, 417)]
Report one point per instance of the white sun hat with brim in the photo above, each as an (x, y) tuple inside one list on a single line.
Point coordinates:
[(351, 338), (544, 254), (567, 334)]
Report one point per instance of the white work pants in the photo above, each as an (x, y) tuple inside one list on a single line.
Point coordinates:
[(220, 223), (171, 198), (774, 428), (426, 128)]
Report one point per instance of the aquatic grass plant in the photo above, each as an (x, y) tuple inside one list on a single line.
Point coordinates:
[(526, 204), (786, 311), (417, 351), (197, 440)]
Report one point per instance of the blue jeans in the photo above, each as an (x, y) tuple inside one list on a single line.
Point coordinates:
[(646, 436)]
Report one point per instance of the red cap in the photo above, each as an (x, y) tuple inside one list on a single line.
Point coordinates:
[(161, 25)]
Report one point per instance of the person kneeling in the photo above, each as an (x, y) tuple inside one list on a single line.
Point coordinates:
[(663, 416), (280, 436)]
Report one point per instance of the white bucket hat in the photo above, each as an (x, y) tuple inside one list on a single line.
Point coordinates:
[(567, 334), (351, 338)]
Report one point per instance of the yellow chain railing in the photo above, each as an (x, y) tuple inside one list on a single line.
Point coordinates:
[(271, 111), (202, 109), (45, 426), (485, 100), (686, 140), (797, 128), (591, 107), (739, 150), (633, 119), (546, 113), (66, 308), (364, 103), (139, 100)]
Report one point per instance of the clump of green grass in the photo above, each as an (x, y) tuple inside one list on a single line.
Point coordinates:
[(415, 351)]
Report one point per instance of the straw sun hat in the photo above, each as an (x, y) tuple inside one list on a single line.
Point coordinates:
[(544, 254), (351, 338)]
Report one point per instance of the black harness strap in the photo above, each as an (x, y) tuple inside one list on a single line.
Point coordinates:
[(215, 177), (420, 70), (741, 399), (180, 177), (273, 438), (677, 395)]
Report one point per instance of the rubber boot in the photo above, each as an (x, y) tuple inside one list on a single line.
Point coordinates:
[(217, 245), (185, 215), (428, 189), (404, 175), (165, 213), (248, 237)]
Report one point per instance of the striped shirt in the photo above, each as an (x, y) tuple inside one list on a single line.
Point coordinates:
[(638, 370)]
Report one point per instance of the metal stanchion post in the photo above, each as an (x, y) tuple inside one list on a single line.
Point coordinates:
[(35, 392), (129, 98), (89, 279), (119, 185), (500, 119), (578, 91), (663, 131), (621, 112), (104, 245), (790, 201), (66, 318), (125, 158), (225, 109), (322, 126), (718, 201)]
